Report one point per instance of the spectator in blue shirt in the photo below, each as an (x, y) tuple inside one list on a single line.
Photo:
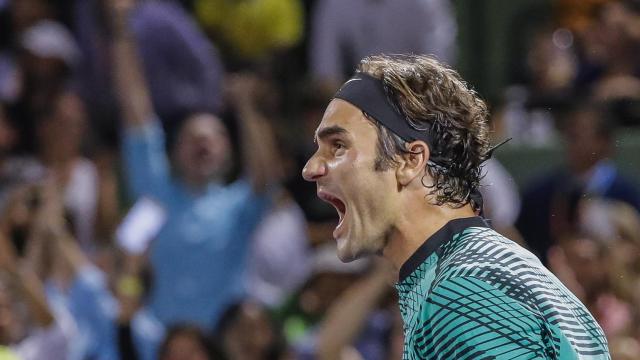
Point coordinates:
[(198, 257)]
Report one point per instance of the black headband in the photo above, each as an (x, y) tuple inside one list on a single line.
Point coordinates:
[(368, 94)]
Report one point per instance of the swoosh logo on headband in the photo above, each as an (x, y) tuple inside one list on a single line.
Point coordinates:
[(348, 81)]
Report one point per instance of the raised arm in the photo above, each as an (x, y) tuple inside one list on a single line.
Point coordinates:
[(74, 274), (30, 286), (131, 86), (143, 147), (44, 251), (258, 143), (347, 316)]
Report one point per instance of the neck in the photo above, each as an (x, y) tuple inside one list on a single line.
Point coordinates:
[(416, 225), (197, 185)]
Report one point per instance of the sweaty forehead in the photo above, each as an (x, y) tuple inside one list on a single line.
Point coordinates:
[(342, 114)]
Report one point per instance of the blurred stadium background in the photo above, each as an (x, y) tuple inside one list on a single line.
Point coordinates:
[(151, 203)]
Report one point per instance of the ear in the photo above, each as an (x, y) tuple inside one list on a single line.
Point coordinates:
[(413, 163)]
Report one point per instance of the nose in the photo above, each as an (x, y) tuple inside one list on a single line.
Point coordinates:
[(314, 169)]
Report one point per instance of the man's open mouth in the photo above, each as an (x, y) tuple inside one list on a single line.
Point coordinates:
[(338, 204)]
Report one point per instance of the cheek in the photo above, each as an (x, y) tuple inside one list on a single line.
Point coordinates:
[(352, 170), (182, 159), (182, 153), (75, 131), (221, 147), (382, 206), (373, 200)]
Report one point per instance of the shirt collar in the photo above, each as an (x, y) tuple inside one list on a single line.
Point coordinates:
[(436, 240)]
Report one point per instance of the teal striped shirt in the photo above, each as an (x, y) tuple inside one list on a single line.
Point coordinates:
[(470, 293)]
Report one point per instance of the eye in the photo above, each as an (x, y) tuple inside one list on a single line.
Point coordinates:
[(338, 147)]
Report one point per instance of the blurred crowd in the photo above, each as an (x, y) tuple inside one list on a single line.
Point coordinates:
[(150, 192)]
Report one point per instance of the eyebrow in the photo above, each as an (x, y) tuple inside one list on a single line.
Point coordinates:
[(328, 131)]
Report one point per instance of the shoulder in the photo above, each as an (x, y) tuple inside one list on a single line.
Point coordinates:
[(477, 246), (483, 254)]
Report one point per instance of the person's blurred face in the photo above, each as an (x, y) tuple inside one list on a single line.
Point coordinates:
[(585, 147), (184, 347), (61, 134), (611, 30), (607, 41), (343, 170), (202, 152), (552, 67), (250, 334)]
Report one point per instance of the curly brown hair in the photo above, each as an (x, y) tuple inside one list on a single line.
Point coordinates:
[(433, 98)]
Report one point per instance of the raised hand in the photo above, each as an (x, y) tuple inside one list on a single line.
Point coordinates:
[(241, 89), (8, 261), (120, 7)]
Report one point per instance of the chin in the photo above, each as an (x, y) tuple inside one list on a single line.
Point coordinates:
[(344, 251), (347, 253), (345, 258)]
